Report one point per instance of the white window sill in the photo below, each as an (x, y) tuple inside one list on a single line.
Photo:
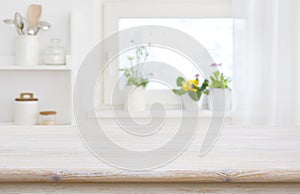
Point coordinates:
[(172, 114)]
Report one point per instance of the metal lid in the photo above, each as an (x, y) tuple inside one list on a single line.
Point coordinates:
[(26, 97), (48, 113)]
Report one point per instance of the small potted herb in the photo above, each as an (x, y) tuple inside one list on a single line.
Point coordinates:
[(134, 92), (191, 89), (218, 85)]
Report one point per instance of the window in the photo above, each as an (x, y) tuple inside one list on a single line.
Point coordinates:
[(215, 34), (214, 30)]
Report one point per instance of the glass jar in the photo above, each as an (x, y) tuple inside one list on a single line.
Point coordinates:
[(55, 54), (48, 118)]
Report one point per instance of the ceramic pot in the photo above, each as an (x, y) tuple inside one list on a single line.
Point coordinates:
[(135, 99), (27, 50), (219, 99), (191, 105)]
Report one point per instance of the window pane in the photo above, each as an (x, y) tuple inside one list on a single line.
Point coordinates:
[(215, 34)]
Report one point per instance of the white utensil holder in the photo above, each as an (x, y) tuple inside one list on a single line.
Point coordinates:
[(27, 50)]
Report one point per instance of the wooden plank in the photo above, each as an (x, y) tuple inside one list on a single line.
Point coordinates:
[(178, 176), (150, 188)]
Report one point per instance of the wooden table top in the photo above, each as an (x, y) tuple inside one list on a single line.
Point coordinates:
[(46, 154)]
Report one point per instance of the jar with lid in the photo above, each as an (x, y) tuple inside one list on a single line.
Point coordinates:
[(48, 118), (26, 110), (55, 54)]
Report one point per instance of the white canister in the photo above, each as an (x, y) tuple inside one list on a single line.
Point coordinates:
[(26, 110), (135, 99), (27, 50)]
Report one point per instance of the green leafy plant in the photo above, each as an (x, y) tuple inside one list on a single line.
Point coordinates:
[(133, 73), (191, 87), (218, 80)]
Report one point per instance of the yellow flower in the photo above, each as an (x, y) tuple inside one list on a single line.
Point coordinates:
[(195, 82), (186, 86)]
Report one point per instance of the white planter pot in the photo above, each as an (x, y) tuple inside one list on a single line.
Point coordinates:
[(191, 105), (27, 51), (135, 99), (219, 99)]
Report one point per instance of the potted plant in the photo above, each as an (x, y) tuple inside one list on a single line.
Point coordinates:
[(134, 92), (191, 92), (218, 85)]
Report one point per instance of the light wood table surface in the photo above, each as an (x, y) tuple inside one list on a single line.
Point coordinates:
[(257, 155)]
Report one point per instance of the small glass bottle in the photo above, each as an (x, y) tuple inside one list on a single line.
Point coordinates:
[(55, 54), (48, 118)]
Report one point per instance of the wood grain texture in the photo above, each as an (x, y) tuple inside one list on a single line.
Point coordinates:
[(242, 155), (179, 176), (149, 188)]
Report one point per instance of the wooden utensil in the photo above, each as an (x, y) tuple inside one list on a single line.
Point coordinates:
[(33, 14)]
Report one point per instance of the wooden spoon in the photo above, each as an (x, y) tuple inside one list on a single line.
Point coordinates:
[(33, 15)]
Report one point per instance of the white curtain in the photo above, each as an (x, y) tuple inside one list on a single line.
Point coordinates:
[(266, 62)]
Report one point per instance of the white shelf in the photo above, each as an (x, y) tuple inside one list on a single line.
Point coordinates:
[(43, 80), (7, 64), (35, 68), (5, 125)]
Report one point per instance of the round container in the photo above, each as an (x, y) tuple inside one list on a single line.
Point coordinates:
[(27, 50), (26, 110), (48, 118), (55, 54), (135, 99)]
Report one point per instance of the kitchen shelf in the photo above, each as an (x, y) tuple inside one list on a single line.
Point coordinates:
[(5, 125), (52, 84), (35, 68), (7, 64)]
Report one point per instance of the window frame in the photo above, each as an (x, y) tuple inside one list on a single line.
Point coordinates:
[(114, 11)]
